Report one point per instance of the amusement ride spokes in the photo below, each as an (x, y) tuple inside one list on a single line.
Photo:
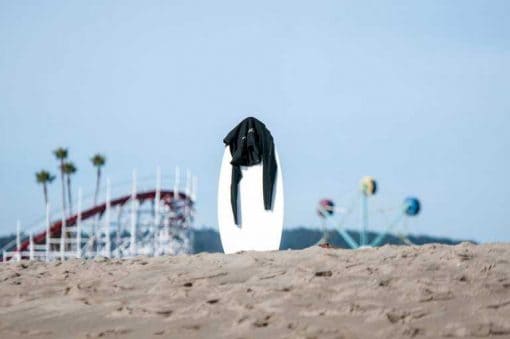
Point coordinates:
[(338, 217)]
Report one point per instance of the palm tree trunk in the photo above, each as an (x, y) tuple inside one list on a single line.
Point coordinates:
[(63, 187), (98, 179), (69, 195), (45, 188)]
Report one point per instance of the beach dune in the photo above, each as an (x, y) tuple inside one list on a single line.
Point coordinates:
[(429, 291)]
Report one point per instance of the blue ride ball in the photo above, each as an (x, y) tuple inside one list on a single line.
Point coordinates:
[(412, 206)]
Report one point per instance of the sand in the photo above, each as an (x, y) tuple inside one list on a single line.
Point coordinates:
[(429, 291)]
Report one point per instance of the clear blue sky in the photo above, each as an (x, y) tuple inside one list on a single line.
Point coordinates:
[(415, 93)]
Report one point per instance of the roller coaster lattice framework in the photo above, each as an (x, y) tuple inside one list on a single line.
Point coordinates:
[(144, 222)]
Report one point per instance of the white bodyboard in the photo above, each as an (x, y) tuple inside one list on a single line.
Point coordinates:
[(259, 230)]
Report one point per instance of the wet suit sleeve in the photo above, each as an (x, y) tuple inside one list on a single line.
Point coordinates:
[(269, 171)]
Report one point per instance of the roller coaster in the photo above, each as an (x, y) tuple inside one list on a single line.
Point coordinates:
[(152, 222)]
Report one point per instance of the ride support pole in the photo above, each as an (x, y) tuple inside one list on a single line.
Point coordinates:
[(132, 245), (48, 235), (78, 226), (107, 245), (364, 220), (18, 240)]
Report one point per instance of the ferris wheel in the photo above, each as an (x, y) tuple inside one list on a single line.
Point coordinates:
[(358, 212)]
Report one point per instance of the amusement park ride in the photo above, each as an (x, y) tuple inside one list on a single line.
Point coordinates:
[(157, 222), (149, 222), (410, 207)]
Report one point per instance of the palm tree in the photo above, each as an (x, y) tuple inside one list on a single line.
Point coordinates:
[(69, 169), (61, 154), (44, 178), (98, 161)]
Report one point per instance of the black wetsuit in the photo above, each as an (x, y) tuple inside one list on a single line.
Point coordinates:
[(250, 143)]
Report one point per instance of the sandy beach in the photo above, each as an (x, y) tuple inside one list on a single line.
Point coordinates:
[(430, 291)]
